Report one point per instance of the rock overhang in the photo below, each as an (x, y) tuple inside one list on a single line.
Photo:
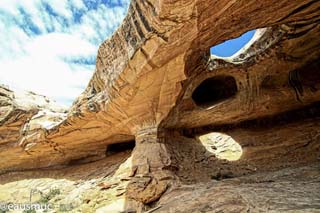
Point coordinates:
[(146, 73)]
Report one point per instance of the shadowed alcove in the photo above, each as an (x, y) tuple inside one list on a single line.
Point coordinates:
[(120, 147), (214, 90)]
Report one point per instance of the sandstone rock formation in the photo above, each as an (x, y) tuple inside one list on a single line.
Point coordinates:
[(23, 116), (156, 84)]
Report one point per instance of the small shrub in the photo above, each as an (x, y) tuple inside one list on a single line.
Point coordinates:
[(46, 197)]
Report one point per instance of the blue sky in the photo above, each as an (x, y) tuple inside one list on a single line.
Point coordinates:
[(50, 47), (230, 47)]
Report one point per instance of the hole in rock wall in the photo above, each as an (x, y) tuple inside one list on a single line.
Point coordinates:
[(214, 90), (120, 147), (223, 146), (232, 46)]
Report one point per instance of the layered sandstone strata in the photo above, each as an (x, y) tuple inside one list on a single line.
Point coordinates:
[(156, 83)]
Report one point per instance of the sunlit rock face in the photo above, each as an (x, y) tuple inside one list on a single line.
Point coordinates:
[(156, 83), (26, 112)]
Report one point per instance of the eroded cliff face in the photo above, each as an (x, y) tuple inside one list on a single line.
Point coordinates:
[(155, 83)]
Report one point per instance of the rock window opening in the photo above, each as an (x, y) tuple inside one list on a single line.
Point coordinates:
[(221, 145), (233, 46), (214, 90)]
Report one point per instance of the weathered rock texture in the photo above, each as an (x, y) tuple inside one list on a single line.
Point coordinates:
[(156, 83)]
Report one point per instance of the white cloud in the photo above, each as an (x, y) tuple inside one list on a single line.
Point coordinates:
[(44, 70), (61, 7), (78, 4), (44, 50), (60, 44), (45, 75)]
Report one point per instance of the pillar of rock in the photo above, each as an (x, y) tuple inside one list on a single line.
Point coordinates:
[(152, 171)]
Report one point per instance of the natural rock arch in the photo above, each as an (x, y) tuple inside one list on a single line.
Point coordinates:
[(142, 73)]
